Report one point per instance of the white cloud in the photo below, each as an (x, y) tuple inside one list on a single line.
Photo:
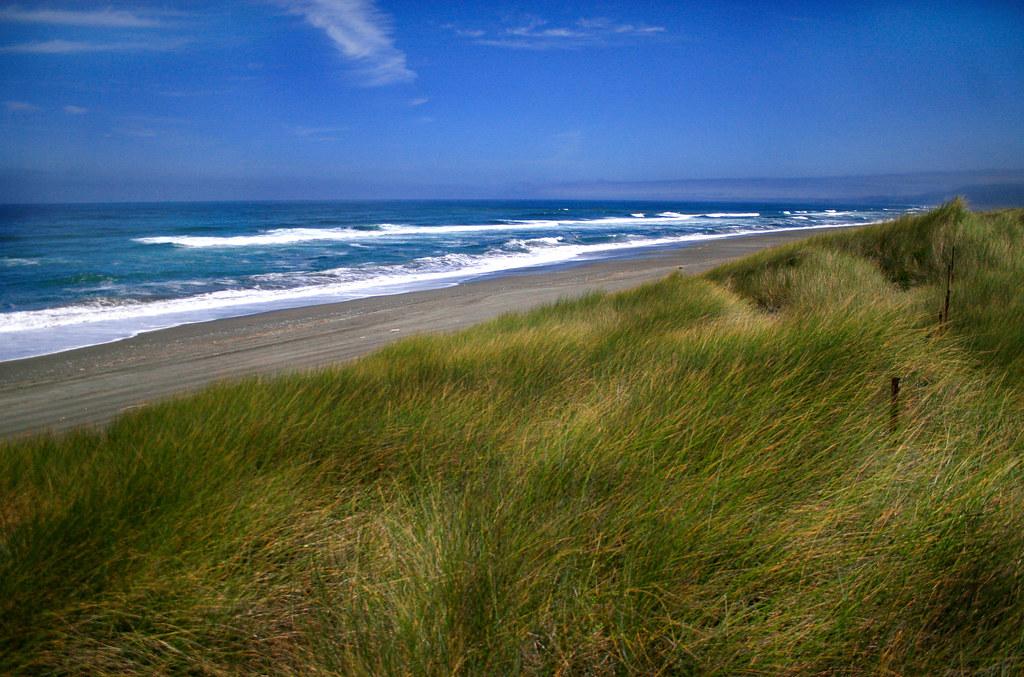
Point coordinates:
[(108, 18), (608, 26), (186, 93), (82, 47), (318, 133), (20, 107), (418, 102), (362, 33), (536, 33), (75, 110), (136, 132)]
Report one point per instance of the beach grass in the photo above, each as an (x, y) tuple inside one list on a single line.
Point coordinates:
[(702, 475)]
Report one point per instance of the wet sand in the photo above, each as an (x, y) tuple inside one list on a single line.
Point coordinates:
[(89, 386)]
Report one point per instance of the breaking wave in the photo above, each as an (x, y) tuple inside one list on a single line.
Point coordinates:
[(291, 236), (123, 318)]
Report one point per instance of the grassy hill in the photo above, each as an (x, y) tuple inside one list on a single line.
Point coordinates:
[(702, 475)]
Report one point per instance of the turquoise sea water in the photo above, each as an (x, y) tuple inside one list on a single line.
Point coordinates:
[(78, 275)]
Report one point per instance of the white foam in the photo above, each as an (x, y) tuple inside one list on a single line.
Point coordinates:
[(828, 213), (347, 283), (732, 215), (287, 236), (35, 332), (665, 218), (280, 236), (13, 262), (515, 244)]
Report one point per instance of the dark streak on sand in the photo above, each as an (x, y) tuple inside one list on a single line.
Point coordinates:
[(92, 385)]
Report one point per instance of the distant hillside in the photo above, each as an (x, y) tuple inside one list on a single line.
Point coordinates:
[(982, 190)]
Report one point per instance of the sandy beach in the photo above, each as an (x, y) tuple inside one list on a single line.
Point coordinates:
[(90, 386)]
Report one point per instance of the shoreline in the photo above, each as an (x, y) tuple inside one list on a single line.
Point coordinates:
[(37, 341), (91, 385)]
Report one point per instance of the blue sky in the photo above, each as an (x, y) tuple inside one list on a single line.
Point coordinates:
[(356, 98)]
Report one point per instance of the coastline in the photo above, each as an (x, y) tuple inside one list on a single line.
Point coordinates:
[(91, 385), (69, 321)]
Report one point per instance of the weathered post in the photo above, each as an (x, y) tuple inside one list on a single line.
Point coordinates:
[(894, 402), (944, 317)]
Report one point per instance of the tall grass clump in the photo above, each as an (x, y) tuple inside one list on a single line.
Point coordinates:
[(702, 475)]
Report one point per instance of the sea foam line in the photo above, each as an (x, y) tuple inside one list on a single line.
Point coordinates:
[(429, 272), (287, 236)]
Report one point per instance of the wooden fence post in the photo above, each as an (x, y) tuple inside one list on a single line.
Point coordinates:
[(894, 402), (944, 315)]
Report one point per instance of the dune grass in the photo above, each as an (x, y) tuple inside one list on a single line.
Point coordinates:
[(702, 475)]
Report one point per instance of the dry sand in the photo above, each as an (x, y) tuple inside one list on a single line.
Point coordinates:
[(91, 385)]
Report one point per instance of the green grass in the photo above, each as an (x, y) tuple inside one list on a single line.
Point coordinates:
[(702, 475)]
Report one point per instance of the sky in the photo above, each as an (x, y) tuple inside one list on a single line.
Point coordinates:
[(315, 99)]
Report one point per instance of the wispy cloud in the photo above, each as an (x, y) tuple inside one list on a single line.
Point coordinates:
[(162, 127), (20, 107), (192, 93), (362, 33), (317, 133), (84, 47), (539, 34), (155, 120), (75, 110), (465, 32), (603, 25), (136, 132), (108, 18), (418, 101)]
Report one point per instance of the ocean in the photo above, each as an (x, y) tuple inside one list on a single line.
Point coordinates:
[(79, 275)]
